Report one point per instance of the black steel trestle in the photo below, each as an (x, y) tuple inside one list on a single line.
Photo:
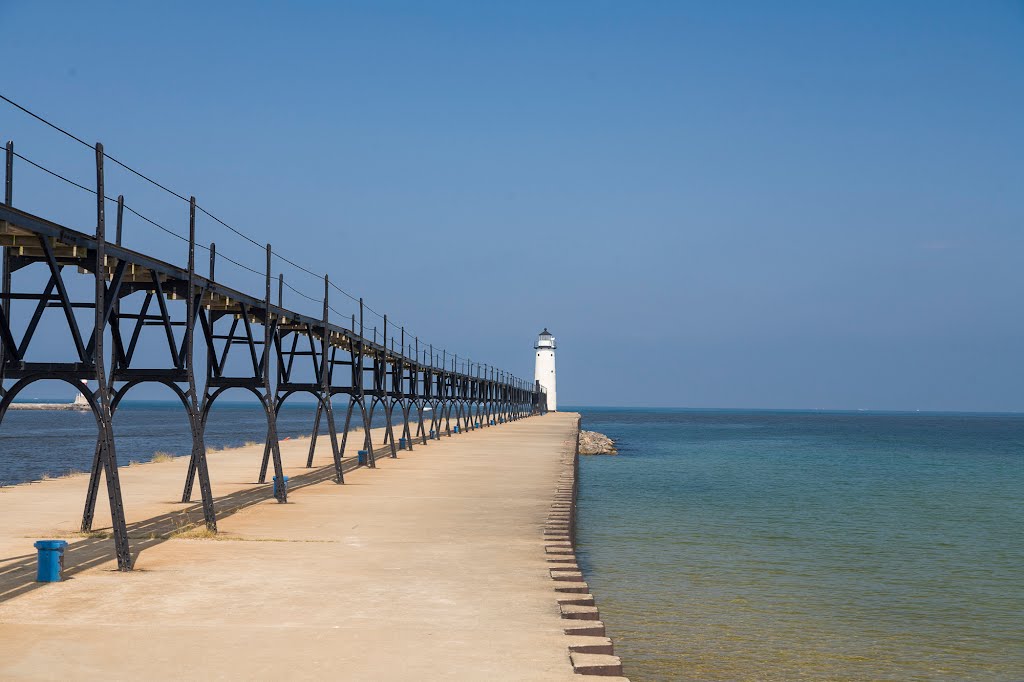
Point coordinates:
[(246, 342)]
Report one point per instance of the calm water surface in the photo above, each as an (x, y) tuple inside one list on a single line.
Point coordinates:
[(728, 545), (34, 443)]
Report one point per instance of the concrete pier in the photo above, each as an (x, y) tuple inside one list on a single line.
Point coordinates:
[(432, 566)]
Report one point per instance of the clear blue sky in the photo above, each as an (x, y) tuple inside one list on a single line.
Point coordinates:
[(744, 204)]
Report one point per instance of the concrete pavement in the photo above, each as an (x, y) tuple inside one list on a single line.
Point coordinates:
[(432, 566)]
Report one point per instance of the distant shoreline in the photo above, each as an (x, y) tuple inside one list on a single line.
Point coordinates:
[(66, 407)]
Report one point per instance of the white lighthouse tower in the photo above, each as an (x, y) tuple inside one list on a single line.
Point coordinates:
[(544, 369)]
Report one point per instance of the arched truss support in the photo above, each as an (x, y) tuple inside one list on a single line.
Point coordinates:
[(403, 406), (446, 410), (353, 403), (455, 406), (197, 457), (204, 414), (106, 451), (479, 416), (421, 428), (323, 406), (389, 434), (436, 415)]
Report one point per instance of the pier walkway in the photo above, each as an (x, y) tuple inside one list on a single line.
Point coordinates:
[(431, 566)]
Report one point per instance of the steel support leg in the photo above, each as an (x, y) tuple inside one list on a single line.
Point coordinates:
[(335, 451), (265, 462), (348, 423), (117, 523), (406, 432), (275, 450), (94, 487), (312, 437), (371, 458), (199, 457), (389, 433)]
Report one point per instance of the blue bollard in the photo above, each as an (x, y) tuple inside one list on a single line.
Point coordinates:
[(362, 457), (401, 444), (51, 560), (285, 485)]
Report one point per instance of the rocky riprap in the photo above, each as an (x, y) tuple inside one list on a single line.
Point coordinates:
[(594, 443)]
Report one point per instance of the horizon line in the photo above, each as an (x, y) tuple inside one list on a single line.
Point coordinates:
[(852, 410)]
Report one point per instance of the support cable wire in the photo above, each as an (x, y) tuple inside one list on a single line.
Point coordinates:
[(57, 175), (132, 211), (179, 196), (303, 295), (169, 191), (83, 142)]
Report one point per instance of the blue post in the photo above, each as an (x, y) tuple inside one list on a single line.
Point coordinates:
[(401, 444), (285, 485), (50, 560), (362, 457)]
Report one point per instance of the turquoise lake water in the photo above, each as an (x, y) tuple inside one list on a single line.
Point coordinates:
[(749, 545)]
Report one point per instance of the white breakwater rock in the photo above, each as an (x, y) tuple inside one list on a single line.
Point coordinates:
[(594, 443)]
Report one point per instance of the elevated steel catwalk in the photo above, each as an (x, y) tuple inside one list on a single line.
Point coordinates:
[(239, 335)]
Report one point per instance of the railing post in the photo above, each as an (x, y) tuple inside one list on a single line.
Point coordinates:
[(120, 219), (280, 490), (9, 174), (389, 432), (403, 392), (5, 286), (213, 260), (108, 453), (325, 388), (190, 293), (371, 459), (192, 304)]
